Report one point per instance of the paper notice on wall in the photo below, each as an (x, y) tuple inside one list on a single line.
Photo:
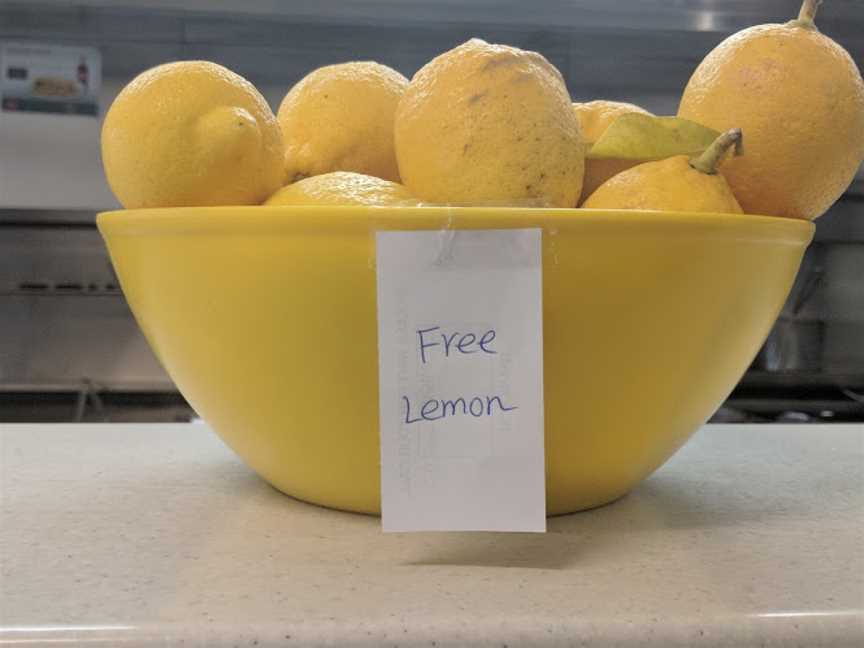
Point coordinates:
[(55, 79)]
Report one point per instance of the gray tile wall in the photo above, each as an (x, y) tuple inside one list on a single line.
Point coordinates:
[(602, 48)]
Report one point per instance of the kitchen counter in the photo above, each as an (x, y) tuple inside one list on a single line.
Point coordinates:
[(156, 535)]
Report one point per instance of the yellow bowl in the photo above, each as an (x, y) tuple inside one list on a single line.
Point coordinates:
[(265, 318)]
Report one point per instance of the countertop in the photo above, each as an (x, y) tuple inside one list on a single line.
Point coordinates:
[(156, 535)]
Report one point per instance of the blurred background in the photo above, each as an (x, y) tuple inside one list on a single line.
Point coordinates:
[(69, 347)]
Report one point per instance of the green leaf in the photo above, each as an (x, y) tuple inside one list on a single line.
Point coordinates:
[(644, 137)]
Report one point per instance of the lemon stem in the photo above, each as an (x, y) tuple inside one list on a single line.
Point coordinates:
[(808, 11), (707, 162)]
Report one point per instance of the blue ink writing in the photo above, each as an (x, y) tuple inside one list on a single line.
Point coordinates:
[(477, 406), (453, 343)]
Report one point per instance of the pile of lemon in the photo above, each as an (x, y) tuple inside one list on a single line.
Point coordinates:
[(487, 124)]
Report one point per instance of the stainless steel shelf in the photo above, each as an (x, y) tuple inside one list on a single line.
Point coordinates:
[(756, 378), (128, 387), (113, 293), (25, 217)]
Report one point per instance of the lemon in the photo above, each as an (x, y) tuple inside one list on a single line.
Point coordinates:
[(489, 123), (191, 133), (342, 188), (594, 118), (675, 184), (799, 98), (340, 118)]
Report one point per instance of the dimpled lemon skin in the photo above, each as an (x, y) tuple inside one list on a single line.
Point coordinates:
[(489, 124), (340, 118), (799, 100), (666, 185), (191, 133), (343, 188), (594, 118)]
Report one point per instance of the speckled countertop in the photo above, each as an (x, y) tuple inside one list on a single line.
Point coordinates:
[(136, 535)]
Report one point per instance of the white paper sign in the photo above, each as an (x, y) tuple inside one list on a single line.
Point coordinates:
[(460, 348), (48, 78)]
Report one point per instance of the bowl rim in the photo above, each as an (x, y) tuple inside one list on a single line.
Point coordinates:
[(341, 219)]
